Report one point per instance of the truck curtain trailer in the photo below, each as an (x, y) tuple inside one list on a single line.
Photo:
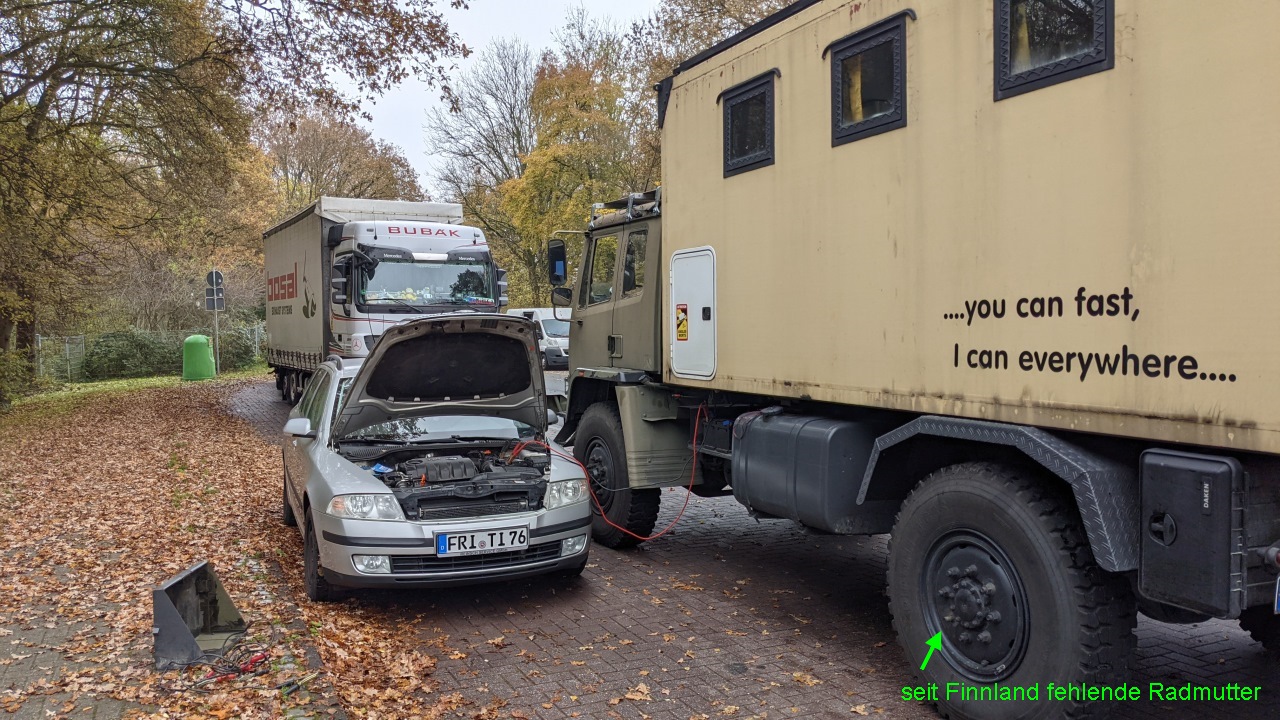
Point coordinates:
[(995, 277), (343, 270)]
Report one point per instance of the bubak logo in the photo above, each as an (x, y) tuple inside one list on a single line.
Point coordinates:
[(283, 287), (409, 230)]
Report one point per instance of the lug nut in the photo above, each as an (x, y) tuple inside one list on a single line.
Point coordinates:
[(966, 637), (989, 588), (993, 616), (984, 637), (953, 572), (971, 571)]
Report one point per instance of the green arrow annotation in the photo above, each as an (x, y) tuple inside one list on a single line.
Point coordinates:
[(934, 643)]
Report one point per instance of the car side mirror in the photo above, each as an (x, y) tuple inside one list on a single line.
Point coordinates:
[(299, 427), (557, 262), (561, 297)]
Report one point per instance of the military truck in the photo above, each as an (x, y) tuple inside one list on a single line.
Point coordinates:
[(996, 278)]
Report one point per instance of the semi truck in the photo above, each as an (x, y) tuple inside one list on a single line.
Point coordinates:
[(997, 279), (343, 270)]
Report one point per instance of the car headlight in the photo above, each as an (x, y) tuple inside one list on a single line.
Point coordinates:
[(365, 507), (565, 492)]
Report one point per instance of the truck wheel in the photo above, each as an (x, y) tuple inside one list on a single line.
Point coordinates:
[(997, 562), (598, 445), (1263, 625), (317, 587)]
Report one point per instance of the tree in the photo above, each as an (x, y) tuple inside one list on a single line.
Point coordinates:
[(537, 143), (314, 155), (113, 111)]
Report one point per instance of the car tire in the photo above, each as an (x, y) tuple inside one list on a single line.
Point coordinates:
[(318, 589), (545, 366), (287, 515), (997, 562), (599, 446), (1263, 625)]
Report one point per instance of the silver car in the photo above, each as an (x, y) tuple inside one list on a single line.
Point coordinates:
[(428, 464)]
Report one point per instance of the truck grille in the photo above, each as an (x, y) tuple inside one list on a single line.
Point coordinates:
[(433, 564), (469, 510)]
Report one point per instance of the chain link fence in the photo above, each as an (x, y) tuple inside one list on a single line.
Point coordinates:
[(60, 359), (80, 358)]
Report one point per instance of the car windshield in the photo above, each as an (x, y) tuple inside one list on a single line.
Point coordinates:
[(556, 328), (396, 282), (423, 429)]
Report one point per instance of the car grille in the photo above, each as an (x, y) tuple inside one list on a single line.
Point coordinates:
[(434, 564), (449, 512)]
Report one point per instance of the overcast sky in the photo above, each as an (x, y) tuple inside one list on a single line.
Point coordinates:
[(398, 116)]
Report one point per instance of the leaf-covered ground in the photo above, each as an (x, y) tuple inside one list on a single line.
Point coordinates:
[(105, 495)]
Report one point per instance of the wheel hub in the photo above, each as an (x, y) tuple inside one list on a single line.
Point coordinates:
[(599, 463), (975, 598)]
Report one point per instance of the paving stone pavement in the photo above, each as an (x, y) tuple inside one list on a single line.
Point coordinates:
[(730, 617)]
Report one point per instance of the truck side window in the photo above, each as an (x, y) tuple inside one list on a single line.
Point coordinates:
[(1043, 42), (869, 82), (598, 287), (748, 125), (633, 263)]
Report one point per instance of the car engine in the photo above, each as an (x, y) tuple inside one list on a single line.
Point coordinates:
[(463, 481)]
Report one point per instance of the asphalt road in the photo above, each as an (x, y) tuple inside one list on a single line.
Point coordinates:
[(726, 616)]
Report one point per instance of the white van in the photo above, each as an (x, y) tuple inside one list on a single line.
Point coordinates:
[(553, 334)]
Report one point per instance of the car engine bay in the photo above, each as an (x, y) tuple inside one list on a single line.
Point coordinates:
[(459, 480)]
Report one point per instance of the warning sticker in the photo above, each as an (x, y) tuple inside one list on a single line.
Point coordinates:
[(682, 322)]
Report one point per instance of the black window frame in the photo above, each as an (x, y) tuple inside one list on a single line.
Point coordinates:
[(760, 84), (1101, 57), (892, 30)]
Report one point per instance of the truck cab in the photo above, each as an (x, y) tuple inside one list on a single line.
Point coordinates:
[(616, 304), (387, 272)]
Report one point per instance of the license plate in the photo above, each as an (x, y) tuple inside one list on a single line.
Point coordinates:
[(484, 541)]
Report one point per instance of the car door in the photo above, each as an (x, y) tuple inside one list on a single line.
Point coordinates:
[(299, 451)]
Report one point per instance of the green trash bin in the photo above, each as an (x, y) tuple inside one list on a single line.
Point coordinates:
[(197, 358)]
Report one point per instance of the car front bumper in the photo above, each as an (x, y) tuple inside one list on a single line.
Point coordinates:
[(412, 549), (557, 357)]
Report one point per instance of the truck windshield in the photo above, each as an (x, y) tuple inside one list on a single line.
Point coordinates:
[(397, 282), (556, 328)]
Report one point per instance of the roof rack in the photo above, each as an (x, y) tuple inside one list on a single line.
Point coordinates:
[(632, 204)]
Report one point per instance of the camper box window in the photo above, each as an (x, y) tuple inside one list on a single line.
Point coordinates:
[(868, 81), (748, 124), (1043, 42)]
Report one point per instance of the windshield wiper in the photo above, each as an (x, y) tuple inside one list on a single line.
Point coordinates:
[(384, 441), (405, 303)]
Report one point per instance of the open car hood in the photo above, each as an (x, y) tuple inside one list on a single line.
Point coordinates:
[(466, 364)]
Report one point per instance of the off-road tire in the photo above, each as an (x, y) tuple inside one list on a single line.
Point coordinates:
[(1263, 625), (317, 588), (1074, 623), (598, 445), (287, 515)]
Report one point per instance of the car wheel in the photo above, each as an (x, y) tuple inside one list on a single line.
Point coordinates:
[(544, 361), (317, 587), (996, 562), (286, 513), (598, 445), (1263, 625)]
